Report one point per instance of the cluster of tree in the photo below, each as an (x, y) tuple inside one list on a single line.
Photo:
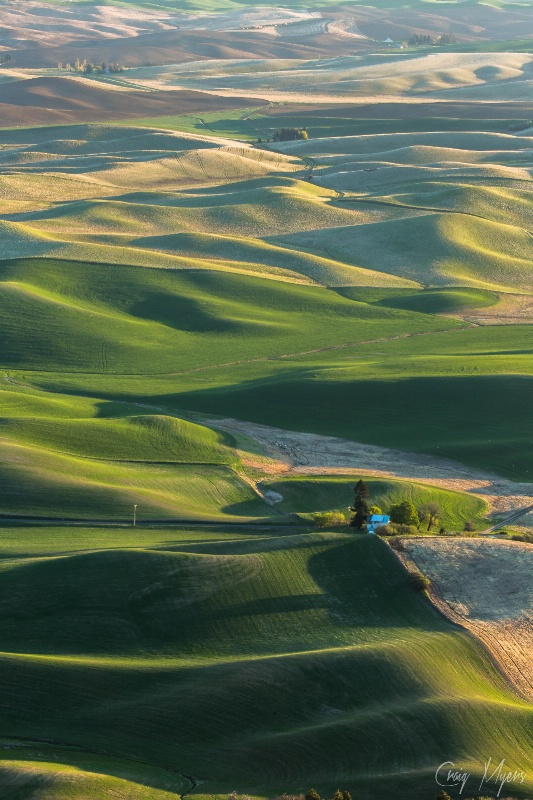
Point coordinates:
[(420, 40), (446, 38), (89, 68), (406, 514), (443, 795), (402, 515), (312, 794), (290, 134), (328, 519), (417, 40), (5, 59)]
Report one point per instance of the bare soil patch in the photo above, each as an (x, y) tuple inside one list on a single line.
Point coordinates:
[(485, 585), (512, 309), (297, 453)]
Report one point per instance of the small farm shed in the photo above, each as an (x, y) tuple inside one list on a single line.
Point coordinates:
[(375, 520)]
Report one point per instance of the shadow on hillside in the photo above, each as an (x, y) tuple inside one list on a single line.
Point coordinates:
[(180, 312), (376, 594), (264, 542)]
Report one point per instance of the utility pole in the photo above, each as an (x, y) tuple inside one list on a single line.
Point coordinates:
[(134, 515)]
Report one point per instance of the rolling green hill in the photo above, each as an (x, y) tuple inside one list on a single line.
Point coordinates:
[(439, 393), (193, 657), (137, 320), (428, 301), (317, 493), (153, 282), (42, 483), (55, 773)]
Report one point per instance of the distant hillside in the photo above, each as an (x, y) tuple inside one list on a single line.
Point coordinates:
[(177, 46), (48, 101)]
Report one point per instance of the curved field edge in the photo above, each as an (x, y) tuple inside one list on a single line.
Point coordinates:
[(55, 771), (207, 675), (484, 586)]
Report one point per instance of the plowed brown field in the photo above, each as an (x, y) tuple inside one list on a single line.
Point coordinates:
[(485, 585)]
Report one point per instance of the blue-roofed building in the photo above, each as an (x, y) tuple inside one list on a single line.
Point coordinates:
[(375, 520)]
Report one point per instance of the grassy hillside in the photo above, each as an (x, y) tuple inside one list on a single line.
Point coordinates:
[(464, 394), (309, 494), (460, 249), (71, 457), (54, 773), (153, 281), (428, 301), (390, 73), (148, 630), (137, 320), (38, 482)]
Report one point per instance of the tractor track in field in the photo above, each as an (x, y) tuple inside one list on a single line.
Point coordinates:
[(265, 359), (255, 524), (343, 346)]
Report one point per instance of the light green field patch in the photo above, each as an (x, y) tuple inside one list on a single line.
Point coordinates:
[(25, 772), (230, 124), (54, 485), (136, 320), (135, 438), (326, 493)]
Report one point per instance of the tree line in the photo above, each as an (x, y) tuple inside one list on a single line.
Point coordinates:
[(404, 517), (312, 794), (421, 40), (401, 515), (88, 68), (290, 134)]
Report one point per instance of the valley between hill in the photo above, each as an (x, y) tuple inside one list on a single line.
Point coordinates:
[(205, 336)]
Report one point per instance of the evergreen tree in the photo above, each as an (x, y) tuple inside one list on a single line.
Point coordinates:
[(346, 795), (312, 794), (360, 507), (338, 795)]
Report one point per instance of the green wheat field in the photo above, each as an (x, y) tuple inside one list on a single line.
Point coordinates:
[(372, 282)]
